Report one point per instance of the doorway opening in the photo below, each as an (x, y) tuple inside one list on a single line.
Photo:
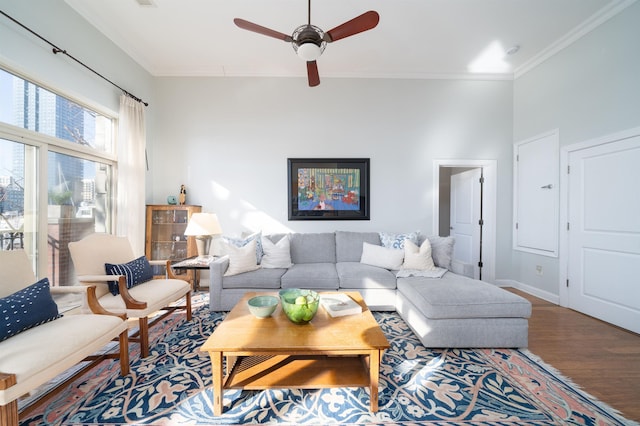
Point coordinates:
[(465, 193)]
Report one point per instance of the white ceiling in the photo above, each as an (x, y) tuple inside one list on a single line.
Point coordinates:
[(414, 39)]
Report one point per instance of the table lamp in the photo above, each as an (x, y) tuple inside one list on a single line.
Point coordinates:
[(203, 226)]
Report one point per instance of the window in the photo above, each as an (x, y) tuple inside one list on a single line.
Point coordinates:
[(56, 153)]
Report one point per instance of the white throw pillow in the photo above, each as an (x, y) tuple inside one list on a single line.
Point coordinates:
[(276, 255), (241, 259), (418, 257), (381, 257)]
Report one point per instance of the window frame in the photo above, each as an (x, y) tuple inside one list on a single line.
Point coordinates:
[(44, 144)]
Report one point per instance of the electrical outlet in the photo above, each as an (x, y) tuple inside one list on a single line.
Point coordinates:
[(539, 269)]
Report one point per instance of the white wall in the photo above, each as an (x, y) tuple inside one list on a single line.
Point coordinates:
[(588, 90), (228, 140)]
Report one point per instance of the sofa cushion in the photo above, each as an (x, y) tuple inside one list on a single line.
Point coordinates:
[(27, 308), (267, 278), (349, 244), (313, 248), (381, 257), (311, 276), (456, 296), (135, 272), (359, 275)]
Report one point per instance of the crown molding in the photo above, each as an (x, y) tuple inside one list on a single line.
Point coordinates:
[(593, 22)]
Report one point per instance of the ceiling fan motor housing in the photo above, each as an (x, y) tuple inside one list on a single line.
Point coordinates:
[(308, 42)]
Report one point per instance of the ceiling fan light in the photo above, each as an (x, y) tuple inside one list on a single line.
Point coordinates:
[(309, 51)]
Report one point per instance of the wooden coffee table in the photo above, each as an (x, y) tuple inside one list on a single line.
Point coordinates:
[(268, 353)]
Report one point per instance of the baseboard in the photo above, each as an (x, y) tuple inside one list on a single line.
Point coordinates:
[(545, 295)]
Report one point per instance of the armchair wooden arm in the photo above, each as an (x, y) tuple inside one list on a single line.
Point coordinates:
[(96, 307), (167, 265), (8, 412), (7, 380), (170, 273), (129, 301), (89, 292)]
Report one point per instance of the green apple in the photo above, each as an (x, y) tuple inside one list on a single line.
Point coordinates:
[(301, 300)]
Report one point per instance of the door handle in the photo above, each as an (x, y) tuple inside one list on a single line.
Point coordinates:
[(547, 186)]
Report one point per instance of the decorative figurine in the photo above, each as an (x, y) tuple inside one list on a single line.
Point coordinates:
[(183, 195)]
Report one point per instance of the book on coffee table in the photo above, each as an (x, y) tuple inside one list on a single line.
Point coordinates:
[(339, 304)]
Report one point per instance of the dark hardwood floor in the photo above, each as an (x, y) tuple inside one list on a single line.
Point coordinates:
[(602, 359)]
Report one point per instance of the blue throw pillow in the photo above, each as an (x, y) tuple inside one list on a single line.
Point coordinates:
[(396, 241), (136, 272), (26, 309)]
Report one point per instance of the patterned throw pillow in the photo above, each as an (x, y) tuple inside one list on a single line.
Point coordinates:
[(26, 309), (396, 241), (241, 242), (136, 272)]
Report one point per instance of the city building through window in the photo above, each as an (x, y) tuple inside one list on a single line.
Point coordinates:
[(56, 168)]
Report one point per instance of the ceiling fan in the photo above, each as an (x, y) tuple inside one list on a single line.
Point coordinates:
[(310, 41)]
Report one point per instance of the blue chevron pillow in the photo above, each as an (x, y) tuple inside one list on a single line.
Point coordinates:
[(136, 272)]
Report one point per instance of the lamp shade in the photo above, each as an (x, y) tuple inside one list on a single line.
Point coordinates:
[(203, 224)]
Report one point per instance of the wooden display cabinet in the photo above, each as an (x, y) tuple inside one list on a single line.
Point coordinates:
[(165, 239)]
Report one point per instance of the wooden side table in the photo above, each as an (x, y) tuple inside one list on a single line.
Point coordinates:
[(196, 264)]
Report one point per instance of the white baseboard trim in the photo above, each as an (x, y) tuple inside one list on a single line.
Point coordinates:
[(545, 295)]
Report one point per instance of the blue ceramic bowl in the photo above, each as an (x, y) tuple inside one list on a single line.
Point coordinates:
[(262, 306)]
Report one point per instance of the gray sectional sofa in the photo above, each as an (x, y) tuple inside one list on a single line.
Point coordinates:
[(452, 311)]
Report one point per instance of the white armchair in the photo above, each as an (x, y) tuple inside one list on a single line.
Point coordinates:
[(30, 357), (89, 257)]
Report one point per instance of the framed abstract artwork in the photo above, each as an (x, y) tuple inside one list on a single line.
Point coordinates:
[(328, 188)]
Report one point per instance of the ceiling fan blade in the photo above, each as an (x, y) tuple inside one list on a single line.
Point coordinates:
[(364, 22), (250, 26), (312, 73)]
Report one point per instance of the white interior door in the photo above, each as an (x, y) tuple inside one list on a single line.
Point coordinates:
[(536, 206), (465, 217), (604, 232)]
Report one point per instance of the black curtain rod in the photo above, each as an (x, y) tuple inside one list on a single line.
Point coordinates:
[(57, 50)]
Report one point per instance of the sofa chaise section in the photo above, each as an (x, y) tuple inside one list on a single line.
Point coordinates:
[(457, 311)]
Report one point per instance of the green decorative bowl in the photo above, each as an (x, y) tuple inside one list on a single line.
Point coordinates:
[(300, 306), (262, 306)]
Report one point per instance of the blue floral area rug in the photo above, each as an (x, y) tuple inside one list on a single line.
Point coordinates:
[(417, 386)]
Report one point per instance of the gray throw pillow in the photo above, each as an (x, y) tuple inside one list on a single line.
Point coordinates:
[(442, 250)]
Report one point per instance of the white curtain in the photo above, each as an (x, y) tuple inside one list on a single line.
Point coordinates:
[(130, 205)]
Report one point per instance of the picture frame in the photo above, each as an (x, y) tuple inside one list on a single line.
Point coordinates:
[(328, 188)]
